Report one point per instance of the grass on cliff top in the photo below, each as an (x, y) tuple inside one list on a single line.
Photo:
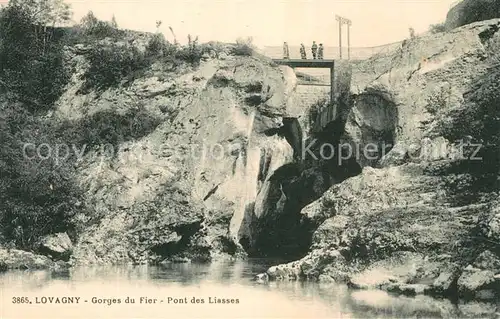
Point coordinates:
[(114, 63)]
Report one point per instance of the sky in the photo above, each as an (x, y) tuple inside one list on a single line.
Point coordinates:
[(271, 22)]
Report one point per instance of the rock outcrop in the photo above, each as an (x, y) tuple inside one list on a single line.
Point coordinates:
[(11, 259), (469, 11), (58, 246), (421, 217)]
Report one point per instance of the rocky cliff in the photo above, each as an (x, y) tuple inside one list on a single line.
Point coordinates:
[(422, 216), (469, 11), (220, 173), (160, 153), (181, 191)]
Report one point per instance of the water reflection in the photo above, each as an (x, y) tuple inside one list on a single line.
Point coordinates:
[(182, 283)]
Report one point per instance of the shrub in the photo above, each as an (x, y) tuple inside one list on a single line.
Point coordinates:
[(191, 52), (159, 47), (107, 127), (438, 100), (243, 47), (110, 65), (97, 29), (37, 195), (31, 61), (437, 28), (315, 109), (214, 47), (412, 33)]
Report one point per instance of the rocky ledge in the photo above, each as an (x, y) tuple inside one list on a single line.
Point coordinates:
[(11, 259)]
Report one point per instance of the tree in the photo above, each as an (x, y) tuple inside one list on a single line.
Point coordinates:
[(45, 12), (98, 29), (114, 24), (31, 62), (175, 38), (89, 21), (437, 28), (412, 33)]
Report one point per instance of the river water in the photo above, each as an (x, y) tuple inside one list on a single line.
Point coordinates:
[(180, 288)]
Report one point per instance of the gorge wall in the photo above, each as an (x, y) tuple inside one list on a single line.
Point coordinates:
[(219, 174), (468, 11), (421, 218)]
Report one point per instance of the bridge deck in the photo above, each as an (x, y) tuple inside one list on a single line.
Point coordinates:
[(302, 63)]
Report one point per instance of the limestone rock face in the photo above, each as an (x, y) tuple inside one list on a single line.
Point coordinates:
[(469, 11), (414, 215), (399, 95), (180, 190)]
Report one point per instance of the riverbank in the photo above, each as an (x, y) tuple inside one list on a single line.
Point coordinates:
[(109, 292)]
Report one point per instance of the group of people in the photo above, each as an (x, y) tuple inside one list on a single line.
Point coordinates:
[(317, 51)]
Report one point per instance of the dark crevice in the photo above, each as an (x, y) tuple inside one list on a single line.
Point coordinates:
[(211, 192), (228, 246), (254, 87), (487, 34), (292, 132), (282, 231), (278, 229), (254, 99), (174, 248)]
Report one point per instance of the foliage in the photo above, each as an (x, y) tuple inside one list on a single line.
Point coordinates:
[(159, 47), (243, 47), (437, 28), (96, 29), (111, 64), (213, 46), (31, 61), (412, 33), (191, 53), (114, 24), (109, 128), (37, 194), (44, 12), (438, 100)]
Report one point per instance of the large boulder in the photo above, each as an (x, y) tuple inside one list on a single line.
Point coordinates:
[(58, 246), (18, 259), (469, 11)]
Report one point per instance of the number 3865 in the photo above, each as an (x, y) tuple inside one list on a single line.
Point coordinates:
[(20, 300)]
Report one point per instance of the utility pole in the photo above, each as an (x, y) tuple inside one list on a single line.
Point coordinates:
[(342, 21), (339, 19), (349, 39)]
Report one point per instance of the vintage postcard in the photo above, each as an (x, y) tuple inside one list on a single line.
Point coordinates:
[(249, 159)]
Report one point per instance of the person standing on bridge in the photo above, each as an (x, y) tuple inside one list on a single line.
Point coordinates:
[(286, 51), (314, 50), (320, 51), (303, 55)]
